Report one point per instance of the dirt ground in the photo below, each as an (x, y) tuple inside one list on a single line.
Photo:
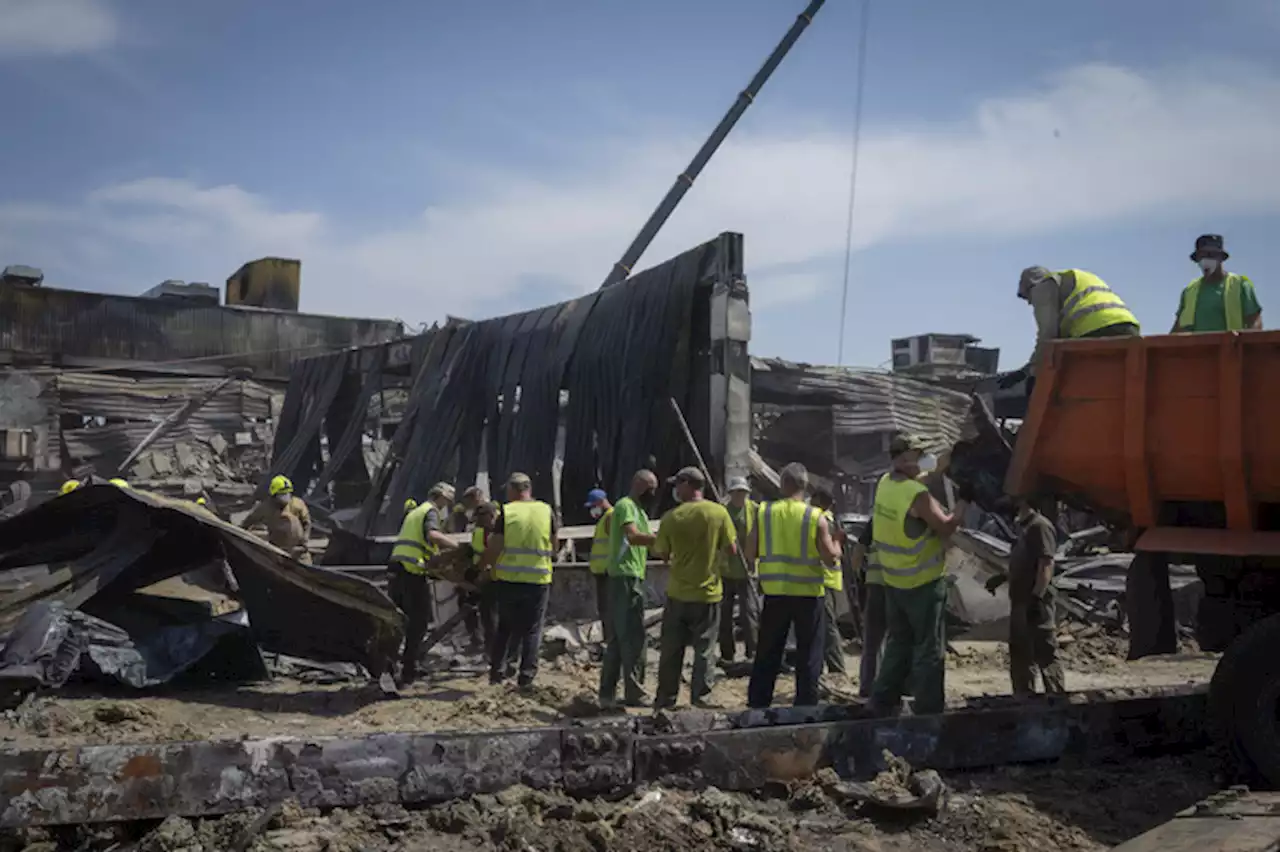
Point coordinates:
[(463, 700), (1060, 808)]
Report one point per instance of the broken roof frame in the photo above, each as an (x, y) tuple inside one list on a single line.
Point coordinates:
[(574, 394)]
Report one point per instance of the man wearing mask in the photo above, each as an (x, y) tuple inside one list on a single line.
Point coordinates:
[(739, 577), (421, 537), (794, 545), (629, 542), (910, 534), (1218, 300), (521, 549), (602, 512), (1033, 630), (286, 517), (1070, 303), (691, 538)]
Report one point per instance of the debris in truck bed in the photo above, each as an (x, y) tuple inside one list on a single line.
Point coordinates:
[(1060, 808), (124, 585)]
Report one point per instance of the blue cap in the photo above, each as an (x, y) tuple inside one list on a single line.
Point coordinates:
[(596, 496)]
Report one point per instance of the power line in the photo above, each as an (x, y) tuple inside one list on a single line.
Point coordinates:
[(859, 85)]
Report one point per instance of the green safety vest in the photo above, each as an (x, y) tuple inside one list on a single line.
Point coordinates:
[(526, 539), (907, 562), (789, 562), (1090, 306), (1232, 301), (477, 545), (599, 562), (411, 548), (833, 577)]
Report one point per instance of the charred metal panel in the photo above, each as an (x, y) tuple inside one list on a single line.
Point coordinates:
[(604, 365), (52, 325)]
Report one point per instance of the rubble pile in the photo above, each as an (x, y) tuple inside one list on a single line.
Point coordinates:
[(1032, 809), (225, 473)]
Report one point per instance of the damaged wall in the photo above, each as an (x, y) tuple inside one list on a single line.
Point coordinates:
[(43, 325), (491, 396)]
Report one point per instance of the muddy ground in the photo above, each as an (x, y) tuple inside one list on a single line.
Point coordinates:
[(463, 699), (1020, 809)]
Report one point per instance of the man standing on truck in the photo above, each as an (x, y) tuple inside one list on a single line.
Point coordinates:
[(629, 543), (911, 529), (739, 577), (1070, 303), (1218, 300), (1033, 630), (691, 538)]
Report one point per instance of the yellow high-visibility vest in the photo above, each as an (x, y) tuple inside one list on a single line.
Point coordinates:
[(1090, 306), (871, 565), (1232, 301), (907, 562), (411, 548), (789, 564), (526, 543), (833, 577), (599, 561), (477, 545)]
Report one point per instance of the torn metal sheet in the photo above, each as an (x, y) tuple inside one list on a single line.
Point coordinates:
[(125, 625), (579, 386), (100, 783)]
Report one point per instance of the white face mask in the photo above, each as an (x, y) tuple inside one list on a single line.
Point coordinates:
[(675, 495), (597, 511), (928, 462), (1209, 265)]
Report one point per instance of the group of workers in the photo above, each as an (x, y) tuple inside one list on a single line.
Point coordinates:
[(1072, 303)]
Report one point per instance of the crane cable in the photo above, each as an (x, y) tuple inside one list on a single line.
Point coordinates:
[(859, 85)]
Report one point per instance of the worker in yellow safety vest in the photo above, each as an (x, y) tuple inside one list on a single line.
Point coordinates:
[(522, 550), (1070, 303), (1218, 300), (833, 582), (741, 587), (421, 537), (910, 535), (68, 486), (793, 544), (480, 619), (601, 510)]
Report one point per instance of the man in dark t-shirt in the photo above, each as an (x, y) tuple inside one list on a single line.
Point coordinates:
[(1033, 637)]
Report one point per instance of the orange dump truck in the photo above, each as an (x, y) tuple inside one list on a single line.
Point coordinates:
[(1177, 438)]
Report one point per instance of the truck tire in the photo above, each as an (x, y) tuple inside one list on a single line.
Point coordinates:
[(1244, 701)]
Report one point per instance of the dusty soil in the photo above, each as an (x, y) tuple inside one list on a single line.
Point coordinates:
[(566, 687), (1029, 809)]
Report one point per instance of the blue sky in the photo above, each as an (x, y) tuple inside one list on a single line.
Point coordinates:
[(425, 158)]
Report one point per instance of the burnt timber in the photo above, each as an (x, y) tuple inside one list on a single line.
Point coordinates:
[(103, 783)]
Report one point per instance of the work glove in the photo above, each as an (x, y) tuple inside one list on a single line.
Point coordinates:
[(1008, 380), (995, 582)]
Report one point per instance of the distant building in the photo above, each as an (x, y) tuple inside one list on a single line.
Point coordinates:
[(944, 356)]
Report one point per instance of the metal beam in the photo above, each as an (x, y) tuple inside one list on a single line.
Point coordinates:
[(102, 783)]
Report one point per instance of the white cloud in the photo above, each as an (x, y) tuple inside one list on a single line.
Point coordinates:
[(1094, 145), (55, 27)]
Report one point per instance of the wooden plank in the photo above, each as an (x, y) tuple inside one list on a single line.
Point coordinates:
[(1231, 821)]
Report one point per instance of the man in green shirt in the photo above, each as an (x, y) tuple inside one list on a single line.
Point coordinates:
[(691, 538), (629, 541), (1217, 300)]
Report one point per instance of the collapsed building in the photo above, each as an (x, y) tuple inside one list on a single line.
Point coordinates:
[(86, 378)]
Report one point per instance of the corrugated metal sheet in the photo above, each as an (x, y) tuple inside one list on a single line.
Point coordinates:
[(862, 401), (133, 407), (42, 321)]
